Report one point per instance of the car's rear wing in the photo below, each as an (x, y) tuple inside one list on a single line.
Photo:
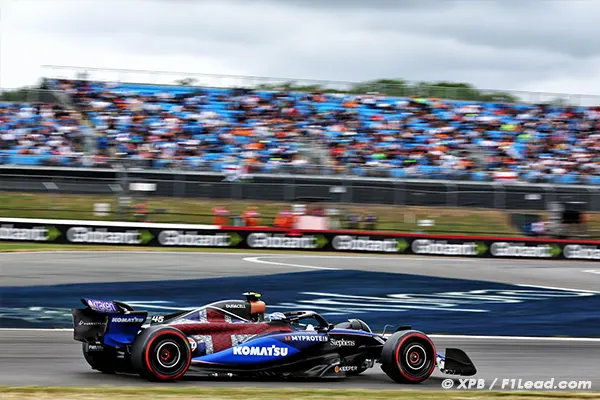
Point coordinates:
[(113, 323)]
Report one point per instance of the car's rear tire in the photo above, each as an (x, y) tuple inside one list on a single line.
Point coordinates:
[(161, 353), (99, 360), (408, 357)]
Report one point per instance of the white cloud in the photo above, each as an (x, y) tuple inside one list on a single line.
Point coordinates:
[(534, 45)]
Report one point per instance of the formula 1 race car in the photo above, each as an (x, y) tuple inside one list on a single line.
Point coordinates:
[(235, 338)]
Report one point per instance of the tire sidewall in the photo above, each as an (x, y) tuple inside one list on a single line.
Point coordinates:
[(393, 351), (144, 357)]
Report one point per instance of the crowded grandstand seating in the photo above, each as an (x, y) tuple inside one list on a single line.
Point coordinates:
[(367, 135), (32, 134)]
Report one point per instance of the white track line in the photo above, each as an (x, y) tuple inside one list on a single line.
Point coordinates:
[(592, 271), (258, 260), (467, 337), (558, 288)]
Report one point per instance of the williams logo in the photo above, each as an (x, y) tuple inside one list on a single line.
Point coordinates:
[(270, 351), (193, 344)]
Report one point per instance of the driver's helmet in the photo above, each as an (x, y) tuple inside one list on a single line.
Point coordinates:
[(278, 316)]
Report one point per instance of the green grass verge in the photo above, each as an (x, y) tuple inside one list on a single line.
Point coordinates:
[(268, 394), (198, 211), (466, 221)]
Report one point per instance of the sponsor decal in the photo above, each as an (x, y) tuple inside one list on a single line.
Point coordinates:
[(581, 252), (348, 368), (35, 234), (235, 306), (193, 344), (508, 249), (102, 306), (442, 247), (78, 234), (365, 243), (128, 320), (305, 338), (193, 239), (269, 351), (90, 323), (279, 241), (342, 342), (95, 347)]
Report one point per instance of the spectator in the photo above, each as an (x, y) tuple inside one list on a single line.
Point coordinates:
[(370, 222), (243, 131)]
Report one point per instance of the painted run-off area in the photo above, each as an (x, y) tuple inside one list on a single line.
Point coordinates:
[(199, 211), (111, 393)]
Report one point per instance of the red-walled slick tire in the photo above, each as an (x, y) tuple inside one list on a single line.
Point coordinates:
[(408, 357), (161, 353)]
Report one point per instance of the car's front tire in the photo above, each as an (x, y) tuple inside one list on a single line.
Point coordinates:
[(161, 353), (408, 357)]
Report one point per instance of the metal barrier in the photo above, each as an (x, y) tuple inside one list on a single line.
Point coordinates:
[(288, 188), (178, 196), (32, 95)]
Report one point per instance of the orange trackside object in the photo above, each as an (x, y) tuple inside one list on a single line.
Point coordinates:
[(220, 216), (251, 217)]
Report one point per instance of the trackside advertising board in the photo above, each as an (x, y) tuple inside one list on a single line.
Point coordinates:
[(211, 236)]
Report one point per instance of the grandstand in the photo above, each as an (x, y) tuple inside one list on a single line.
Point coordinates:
[(267, 131)]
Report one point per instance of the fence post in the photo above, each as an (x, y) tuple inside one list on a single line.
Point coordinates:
[(595, 206), (592, 192), (499, 196), (180, 184), (289, 191), (348, 195), (452, 194), (399, 193), (551, 196)]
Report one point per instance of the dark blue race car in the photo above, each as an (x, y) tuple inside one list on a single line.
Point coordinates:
[(234, 338)]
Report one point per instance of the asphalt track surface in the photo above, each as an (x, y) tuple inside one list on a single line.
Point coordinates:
[(39, 357)]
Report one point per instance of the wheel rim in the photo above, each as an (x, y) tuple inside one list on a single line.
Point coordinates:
[(417, 358), (167, 357), (168, 354)]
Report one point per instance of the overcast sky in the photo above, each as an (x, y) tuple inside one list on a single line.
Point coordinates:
[(539, 45)]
